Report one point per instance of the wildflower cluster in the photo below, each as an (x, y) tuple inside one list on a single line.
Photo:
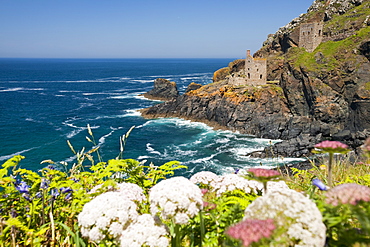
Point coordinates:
[(124, 203), (176, 198), (347, 194), (292, 211), (252, 230), (231, 182), (107, 215), (331, 147), (131, 191), (144, 232)]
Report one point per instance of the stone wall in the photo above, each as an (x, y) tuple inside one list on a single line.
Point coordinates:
[(255, 70), (310, 35)]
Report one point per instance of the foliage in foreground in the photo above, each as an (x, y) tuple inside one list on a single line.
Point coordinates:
[(124, 202)]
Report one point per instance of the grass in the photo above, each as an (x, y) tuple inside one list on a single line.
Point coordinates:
[(344, 171), (335, 53)]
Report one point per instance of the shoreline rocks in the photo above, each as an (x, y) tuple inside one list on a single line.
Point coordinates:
[(163, 90)]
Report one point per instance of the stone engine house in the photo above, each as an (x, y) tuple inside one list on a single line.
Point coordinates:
[(255, 70), (310, 35)]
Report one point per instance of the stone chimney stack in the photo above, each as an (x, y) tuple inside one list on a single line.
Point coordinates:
[(248, 53)]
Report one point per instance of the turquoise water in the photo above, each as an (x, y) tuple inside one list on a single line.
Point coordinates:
[(45, 102)]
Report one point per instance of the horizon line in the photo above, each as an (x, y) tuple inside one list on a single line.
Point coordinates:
[(119, 58)]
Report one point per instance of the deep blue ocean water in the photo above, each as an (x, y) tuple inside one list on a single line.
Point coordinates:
[(45, 102)]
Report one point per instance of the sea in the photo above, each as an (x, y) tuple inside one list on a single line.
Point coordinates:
[(46, 102)]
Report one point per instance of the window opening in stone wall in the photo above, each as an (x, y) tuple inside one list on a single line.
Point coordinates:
[(249, 76)]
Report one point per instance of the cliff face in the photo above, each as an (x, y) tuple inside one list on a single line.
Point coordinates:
[(310, 96)]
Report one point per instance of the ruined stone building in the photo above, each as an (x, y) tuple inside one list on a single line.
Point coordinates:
[(255, 70), (310, 35), (253, 74)]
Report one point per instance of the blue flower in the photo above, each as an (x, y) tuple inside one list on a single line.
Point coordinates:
[(23, 187), (65, 190), (38, 195), (55, 193), (27, 197), (319, 184), (68, 196), (44, 184)]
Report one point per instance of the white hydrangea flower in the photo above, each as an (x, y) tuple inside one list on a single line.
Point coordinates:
[(276, 186), (110, 212), (230, 182), (175, 196), (205, 178), (130, 190), (144, 232), (293, 211)]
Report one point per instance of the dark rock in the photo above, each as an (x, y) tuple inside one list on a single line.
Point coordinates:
[(163, 90), (319, 57), (193, 86), (365, 49)]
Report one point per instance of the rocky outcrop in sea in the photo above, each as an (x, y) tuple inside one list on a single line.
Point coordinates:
[(163, 90)]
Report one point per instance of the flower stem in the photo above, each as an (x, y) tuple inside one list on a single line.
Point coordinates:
[(202, 230), (330, 169), (175, 239), (265, 187)]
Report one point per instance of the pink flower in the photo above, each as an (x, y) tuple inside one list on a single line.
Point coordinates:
[(263, 173), (348, 194), (332, 147), (252, 230)]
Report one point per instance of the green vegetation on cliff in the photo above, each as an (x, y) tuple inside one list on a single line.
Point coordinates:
[(329, 55), (345, 34)]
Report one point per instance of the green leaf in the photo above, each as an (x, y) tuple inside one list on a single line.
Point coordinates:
[(13, 161)]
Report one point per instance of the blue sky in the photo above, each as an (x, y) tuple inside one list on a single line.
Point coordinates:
[(140, 28)]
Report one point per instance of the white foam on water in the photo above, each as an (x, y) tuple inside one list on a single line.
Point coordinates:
[(69, 91), (141, 97), (132, 113), (143, 157), (121, 97), (83, 105), (33, 120), (151, 150), (76, 130), (102, 139), (244, 151), (176, 152), (89, 94), (13, 89), (182, 123), (6, 157), (128, 113), (140, 81)]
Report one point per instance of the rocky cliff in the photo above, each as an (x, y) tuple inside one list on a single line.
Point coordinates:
[(309, 96)]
